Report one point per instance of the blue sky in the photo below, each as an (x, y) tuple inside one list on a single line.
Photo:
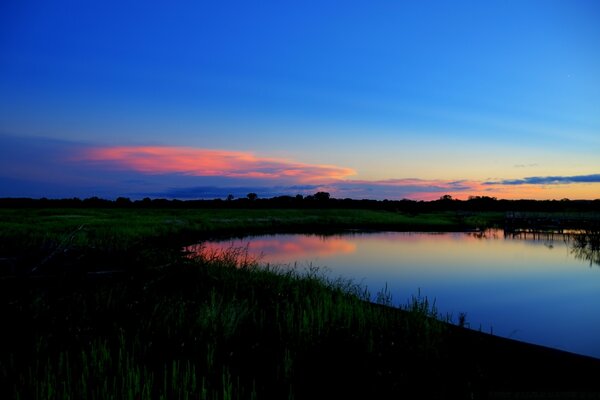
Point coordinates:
[(395, 92)]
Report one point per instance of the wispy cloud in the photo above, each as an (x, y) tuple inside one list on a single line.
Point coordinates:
[(416, 184), (408, 188), (531, 165), (548, 180), (206, 162), (214, 192)]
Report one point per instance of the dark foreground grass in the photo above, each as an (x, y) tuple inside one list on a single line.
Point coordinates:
[(221, 327), (213, 327)]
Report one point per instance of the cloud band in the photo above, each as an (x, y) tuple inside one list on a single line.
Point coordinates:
[(206, 162), (548, 180)]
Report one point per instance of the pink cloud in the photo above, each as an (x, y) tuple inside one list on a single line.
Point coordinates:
[(205, 162)]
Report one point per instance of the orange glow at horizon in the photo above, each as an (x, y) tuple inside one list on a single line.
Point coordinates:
[(207, 162), (572, 191), (433, 189), (157, 160)]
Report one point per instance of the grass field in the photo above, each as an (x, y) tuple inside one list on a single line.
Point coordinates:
[(132, 224)]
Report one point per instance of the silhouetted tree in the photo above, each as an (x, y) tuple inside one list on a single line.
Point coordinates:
[(229, 197), (146, 202), (321, 196), (123, 201), (252, 196)]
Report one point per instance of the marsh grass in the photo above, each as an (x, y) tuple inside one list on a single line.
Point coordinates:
[(41, 237), (214, 326)]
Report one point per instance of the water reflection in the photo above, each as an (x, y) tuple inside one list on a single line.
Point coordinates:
[(585, 245), (282, 248), (485, 234), (288, 248)]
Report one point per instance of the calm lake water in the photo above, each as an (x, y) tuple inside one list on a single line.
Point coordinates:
[(532, 289)]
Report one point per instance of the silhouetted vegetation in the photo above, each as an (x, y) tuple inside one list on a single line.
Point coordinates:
[(320, 200), (585, 245)]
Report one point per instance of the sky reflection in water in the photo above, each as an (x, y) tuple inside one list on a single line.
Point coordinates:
[(527, 289)]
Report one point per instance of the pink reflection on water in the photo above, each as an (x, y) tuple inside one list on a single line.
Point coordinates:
[(281, 248)]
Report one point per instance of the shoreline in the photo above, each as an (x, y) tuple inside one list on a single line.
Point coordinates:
[(514, 365)]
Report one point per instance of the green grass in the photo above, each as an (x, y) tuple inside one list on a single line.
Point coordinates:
[(213, 328), (124, 228)]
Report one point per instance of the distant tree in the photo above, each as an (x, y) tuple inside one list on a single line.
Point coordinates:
[(123, 201), (321, 196), (96, 202), (229, 197), (482, 198), (145, 202), (299, 197), (252, 196), (446, 197)]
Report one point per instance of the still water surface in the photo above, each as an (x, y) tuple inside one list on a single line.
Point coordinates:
[(527, 288)]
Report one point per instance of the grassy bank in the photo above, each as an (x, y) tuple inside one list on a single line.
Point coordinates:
[(110, 238), (215, 327), (132, 224)]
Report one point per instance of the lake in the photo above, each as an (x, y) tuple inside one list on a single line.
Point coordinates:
[(527, 287)]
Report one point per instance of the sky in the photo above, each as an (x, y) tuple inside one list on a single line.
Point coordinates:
[(377, 99)]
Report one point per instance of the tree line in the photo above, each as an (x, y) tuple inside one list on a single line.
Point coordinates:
[(317, 200)]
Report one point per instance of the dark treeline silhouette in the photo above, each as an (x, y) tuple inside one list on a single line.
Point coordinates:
[(318, 200)]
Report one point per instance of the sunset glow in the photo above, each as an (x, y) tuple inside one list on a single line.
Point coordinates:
[(400, 100)]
